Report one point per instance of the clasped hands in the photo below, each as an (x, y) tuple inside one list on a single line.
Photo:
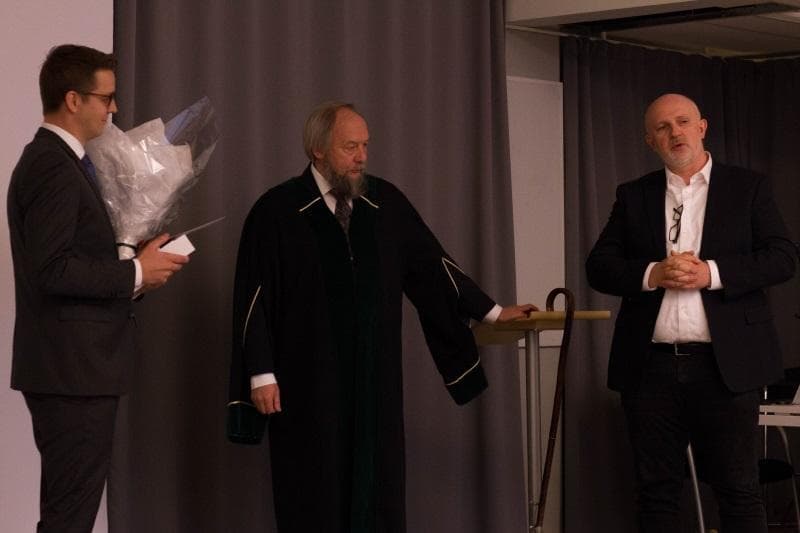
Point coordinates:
[(682, 271)]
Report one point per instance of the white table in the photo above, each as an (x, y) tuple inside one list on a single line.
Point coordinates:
[(780, 416)]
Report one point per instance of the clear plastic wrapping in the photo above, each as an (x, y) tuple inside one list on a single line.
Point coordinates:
[(143, 173)]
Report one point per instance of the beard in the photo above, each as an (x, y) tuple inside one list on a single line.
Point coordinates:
[(691, 155), (677, 162), (345, 186)]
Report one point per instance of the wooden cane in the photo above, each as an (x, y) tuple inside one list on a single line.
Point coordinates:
[(569, 303)]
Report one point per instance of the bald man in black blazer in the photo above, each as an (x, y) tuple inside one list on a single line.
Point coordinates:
[(74, 334), (691, 249)]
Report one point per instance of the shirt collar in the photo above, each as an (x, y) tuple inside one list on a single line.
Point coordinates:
[(67, 137), (704, 172), (322, 183)]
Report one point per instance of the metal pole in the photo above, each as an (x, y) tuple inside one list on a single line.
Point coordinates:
[(701, 523), (533, 399), (785, 440)]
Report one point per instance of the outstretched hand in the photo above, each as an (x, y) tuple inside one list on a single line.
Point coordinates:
[(516, 312)]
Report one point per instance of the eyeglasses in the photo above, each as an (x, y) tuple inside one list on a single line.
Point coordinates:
[(105, 98), (675, 229)]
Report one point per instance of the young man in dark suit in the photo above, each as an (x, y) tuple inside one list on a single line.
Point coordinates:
[(74, 335), (691, 250)]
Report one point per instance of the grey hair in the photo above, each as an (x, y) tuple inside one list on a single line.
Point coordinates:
[(319, 124)]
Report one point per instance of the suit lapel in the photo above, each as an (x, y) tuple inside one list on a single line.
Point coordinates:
[(92, 183), (654, 191), (716, 204), (45, 133)]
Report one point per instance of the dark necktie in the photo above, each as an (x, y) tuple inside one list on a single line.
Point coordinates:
[(343, 212), (89, 166)]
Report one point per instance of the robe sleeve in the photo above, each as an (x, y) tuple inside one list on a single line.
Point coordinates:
[(253, 346), (445, 299)]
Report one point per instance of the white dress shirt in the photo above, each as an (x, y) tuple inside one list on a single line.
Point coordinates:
[(80, 151), (682, 317)]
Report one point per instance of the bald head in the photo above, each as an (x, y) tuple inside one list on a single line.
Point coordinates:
[(675, 130), (669, 101)]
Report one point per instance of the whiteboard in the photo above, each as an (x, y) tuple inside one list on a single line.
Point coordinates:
[(536, 136)]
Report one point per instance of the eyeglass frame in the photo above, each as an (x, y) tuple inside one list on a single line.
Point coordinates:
[(677, 213), (107, 99)]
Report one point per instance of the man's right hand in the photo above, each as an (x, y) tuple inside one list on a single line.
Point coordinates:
[(683, 271), (158, 266), (267, 399)]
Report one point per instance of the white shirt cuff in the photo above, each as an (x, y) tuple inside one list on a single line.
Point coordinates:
[(137, 281), (645, 286), (259, 380), (491, 316), (716, 281)]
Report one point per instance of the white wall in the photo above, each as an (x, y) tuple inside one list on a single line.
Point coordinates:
[(537, 178), (537, 173), (30, 29)]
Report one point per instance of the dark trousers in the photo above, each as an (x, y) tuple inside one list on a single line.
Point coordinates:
[(682, 399), (73, 435)]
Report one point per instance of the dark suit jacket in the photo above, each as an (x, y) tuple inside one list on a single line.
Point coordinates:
[(74, 331), (743, 232)]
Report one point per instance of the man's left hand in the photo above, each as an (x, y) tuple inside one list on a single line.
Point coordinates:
[(516, 312), (686, 271)]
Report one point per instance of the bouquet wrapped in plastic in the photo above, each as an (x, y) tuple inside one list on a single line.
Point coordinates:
[(143, 173)]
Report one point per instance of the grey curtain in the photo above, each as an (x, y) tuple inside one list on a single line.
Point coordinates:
[(429, 78), (754, 121)]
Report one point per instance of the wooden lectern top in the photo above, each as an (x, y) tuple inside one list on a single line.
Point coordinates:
[(508, 332)]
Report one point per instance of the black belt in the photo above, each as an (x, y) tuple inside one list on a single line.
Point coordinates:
[(683, 348)]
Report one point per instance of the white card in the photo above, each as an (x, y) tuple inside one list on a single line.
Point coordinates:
[(181, 246)]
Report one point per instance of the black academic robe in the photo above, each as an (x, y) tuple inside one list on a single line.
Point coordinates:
[(324, 315)]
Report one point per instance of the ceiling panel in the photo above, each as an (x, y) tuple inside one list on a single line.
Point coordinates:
[(731, 36), (769, 33), (766, 25)]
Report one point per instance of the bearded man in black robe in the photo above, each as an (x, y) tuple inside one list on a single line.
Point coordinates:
[(323, 263)]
